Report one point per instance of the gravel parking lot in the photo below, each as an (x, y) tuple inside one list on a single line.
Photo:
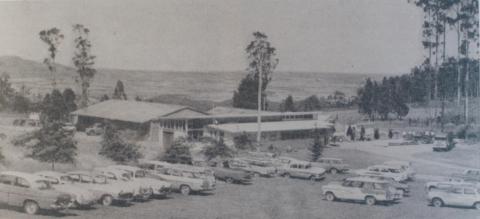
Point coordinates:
[(271, 198)]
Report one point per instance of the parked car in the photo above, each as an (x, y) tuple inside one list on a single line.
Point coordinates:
[(396, 173), (403, 187), (441, 144), (449, 183), (360, 189), (96, 129), (181, 181), (82, 196), (121, 178), (469, 175), (222, 171), (256, 170), (405, 165), (282, 161), (31, 192), (105, 190), (464, 196), (302, 169), (332, 165), (159, 187)]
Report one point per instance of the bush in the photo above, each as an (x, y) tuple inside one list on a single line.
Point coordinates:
[(179, 152), (450, 141), (243, 142), (376, 134), (461, 131), (316, 149), (117, 149), (218, 149)]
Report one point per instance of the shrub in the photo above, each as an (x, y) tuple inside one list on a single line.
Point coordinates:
[(316, 149), (179, 152), (218, 149), (117, 149), (376, 134), (450, 141), (243, 142)]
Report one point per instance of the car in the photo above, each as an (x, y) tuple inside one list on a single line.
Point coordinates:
[(396, 173), (302, 169), (96, 129), (332, 165), (182, 181), (257, 170), (403, 187), (31, 192), (441, 144), (405, 165), (82, 196), (449, 183), (281, 161), (105, 190), (222, 171), (470, 175), (142, 192), (370, 191), (159, 187), (462, 196)]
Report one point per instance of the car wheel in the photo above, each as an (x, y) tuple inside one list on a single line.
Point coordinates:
[(330, 196), (229, 180), (333, 171), (436, 202), (30, 207), (477, 205), (369, 200), (286, 175), (185, 190), (107, 200)]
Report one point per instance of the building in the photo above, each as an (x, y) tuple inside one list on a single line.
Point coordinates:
[(163, 123)]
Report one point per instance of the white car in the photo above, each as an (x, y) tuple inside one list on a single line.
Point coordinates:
[(396, 173), (464, 196), (255, 169), (83, 197), (405, 165), (470, 175), (105, 190), (123, 180), (361, 189), (449, 183), (301, 169), (159, 187)]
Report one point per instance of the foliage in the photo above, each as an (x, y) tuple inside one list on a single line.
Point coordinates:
[(119, 92), (288, 104), (217, 149), (376, 134), (6, 90), (117, 149), (54, 108), (179, 152), (2, 158), (69, 99), (21, 104), (262, 61), (104, 98), (311, 103), (54, 144), (450, 141), (52, 37), (243, 142), (83, 61), (317, 147)]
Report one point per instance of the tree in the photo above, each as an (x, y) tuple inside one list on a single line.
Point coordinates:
[(69, 99), (288, 104), (6, 90), (311, 103), (366, 99), (262, 61), (179, 152), (54, 144), (117, 149), (52, 37), (53, 108), (217, 149), (104, 98), (83, 61), (243, 142), (316, 149), (21, 104), (119, 92)]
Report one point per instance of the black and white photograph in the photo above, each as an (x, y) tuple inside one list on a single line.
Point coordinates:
[(239, 109)]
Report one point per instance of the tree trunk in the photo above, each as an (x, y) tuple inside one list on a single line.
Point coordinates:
[(459, 75)]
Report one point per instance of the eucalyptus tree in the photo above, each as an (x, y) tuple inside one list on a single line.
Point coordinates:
[(52, 37), (83, 61)]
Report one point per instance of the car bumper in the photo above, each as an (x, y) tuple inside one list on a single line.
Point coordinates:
[(58, 207)]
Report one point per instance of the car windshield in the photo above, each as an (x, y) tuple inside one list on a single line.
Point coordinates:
[(99, 179), (42, 185), (86, 179), (380, 185), (394, 170)]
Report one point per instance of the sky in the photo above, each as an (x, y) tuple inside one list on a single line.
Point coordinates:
[(354, 36)]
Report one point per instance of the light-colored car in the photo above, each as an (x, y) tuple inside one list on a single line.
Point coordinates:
[(159, 187), (396, 173), (181, 181), (122, 179), (361, 189), (402, 188), (405, 165), (282, 161), (332, 165), (105, 190), (31, 192), (302, 169), (83, 197), (470, 175), (449, 183), (464, 196), (265, 170)]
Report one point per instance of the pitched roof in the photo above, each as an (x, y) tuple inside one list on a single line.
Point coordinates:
[(273, 126), (130, 111)]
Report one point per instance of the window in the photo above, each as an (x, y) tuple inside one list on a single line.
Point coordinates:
[(52, 180), (347, 183), (42, 185), (457, 191), (74, 178), (21, 182), (99, 179), (7, 180), (357, 184), (469, 191), (86, 179), (374, 169), (379, 186), (140, 174)]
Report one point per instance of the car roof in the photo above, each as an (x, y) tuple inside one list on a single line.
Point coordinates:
[(109, 169), (365, 179), (49, 173), (80, 172), (329, 158), (27, 176), (156, 162), (125, 167), (381, 166)]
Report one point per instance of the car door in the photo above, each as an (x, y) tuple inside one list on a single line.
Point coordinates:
[(357, 190), (470, 197), (19, 192), (6, 184), (454, 197)]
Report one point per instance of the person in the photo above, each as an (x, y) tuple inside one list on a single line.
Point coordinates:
[(353, 133), (349, 131), (362, 133), (390, 133)]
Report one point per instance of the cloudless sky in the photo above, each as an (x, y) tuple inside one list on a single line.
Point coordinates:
[(365, 36)]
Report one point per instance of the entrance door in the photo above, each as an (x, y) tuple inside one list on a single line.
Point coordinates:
[(167, 139)]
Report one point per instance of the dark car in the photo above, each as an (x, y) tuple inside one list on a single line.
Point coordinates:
[(224, 173)]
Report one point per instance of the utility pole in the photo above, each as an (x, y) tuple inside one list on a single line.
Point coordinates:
[(259, 116)]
